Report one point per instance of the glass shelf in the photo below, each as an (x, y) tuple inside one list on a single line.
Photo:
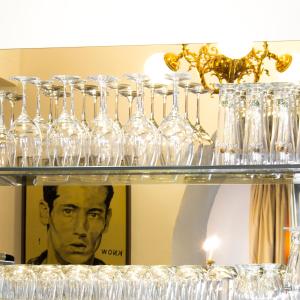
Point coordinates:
[(147, 175)]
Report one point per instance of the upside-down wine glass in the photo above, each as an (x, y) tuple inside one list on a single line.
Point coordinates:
[(7, 142), (65, 136), (86, 132), (117, 87), (106, 136), (40, 121), (177, 144), (142, 139), (204, 140), (26, 133)]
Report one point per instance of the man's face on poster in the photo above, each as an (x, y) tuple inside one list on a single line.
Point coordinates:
[(77, 222)]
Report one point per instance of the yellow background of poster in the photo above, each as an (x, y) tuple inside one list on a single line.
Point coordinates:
[(112, 249)]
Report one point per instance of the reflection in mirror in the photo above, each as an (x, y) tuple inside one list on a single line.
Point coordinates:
[(169, 224)]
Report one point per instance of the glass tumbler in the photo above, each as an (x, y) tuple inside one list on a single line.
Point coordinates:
[(255, 146), (227, 145)]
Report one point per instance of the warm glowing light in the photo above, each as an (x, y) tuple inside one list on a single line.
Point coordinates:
[(234, 48), (156, 68), (210, 245)]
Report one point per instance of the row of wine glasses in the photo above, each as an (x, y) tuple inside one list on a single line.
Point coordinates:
[(258, 124), (65, 140)]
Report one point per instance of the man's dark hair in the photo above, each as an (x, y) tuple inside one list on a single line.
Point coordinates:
[(50, 194)]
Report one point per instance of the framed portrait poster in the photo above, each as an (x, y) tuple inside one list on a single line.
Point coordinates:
[(72, 224)]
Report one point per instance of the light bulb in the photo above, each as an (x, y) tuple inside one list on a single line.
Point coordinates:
[(234, 48), (156, 68)]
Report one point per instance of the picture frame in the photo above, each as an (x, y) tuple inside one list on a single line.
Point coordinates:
[(115, 244)]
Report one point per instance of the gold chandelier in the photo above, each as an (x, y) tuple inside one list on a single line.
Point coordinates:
[(208, 61)]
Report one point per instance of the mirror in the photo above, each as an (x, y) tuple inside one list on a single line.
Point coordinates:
[(169, 223)]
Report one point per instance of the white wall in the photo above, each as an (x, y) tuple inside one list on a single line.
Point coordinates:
[(229, 219)]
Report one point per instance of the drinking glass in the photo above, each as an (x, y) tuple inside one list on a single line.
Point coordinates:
[(177, 145), (42, 124), (7, 142), (186, 85), (117, 87), (203, 140), (86, 131), (106, 136), (271, 284), (228, 143), (142, 139), (282, 145), (27, 135), (246, 286), (153, 87), (255, 145), (65, 135)]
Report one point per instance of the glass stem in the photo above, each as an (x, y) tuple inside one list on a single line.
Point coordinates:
[(24, 104), (12, 114), (175, 107), (64, 108), (152, 104), (83, 112), (72, 111), (198, 110), (103, 108), (186, 103), (164, 106), (117, 106), (50, 117), (139, 103), (38, 101), (95, 104), (130, 98), (1, 111), (55, 105)]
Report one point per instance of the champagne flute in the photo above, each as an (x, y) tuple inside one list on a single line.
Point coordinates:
[(26, 133)]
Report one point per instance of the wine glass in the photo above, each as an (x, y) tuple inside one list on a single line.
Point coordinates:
[(27, 135), (186, 85), (117, 87), (177, 145), (204, 140), (65, 135), (40, 121), (7, 142), (142, 139), (86, 132), (106, 137), (153, 87)]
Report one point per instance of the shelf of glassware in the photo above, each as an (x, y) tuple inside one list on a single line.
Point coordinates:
[(151, 175)]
